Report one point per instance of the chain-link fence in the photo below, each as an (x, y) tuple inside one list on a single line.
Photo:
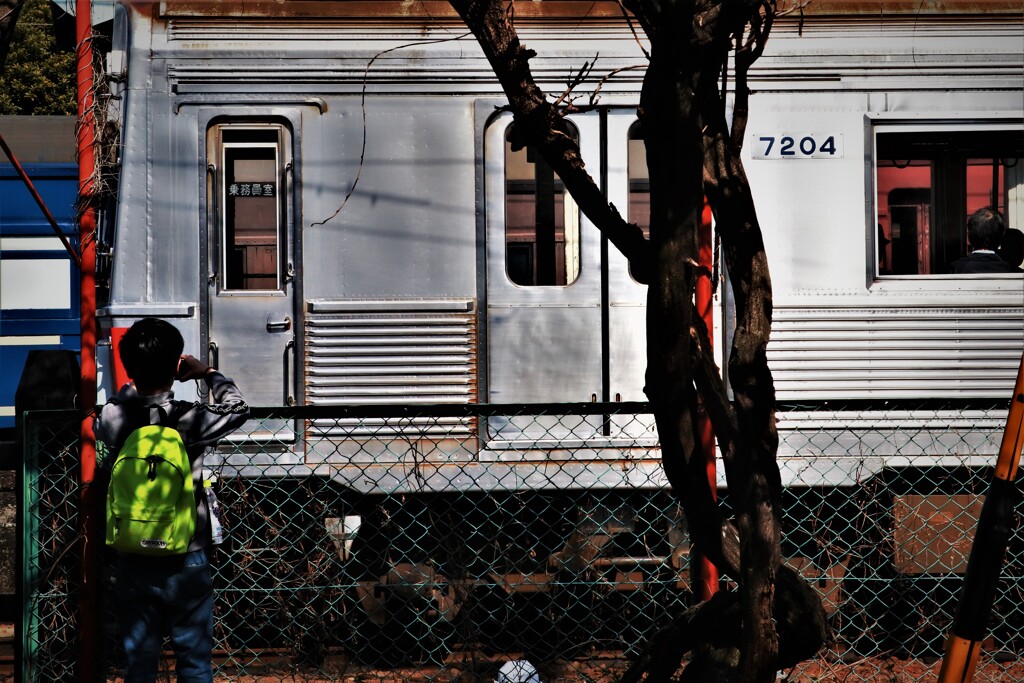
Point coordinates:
[(436, 543)]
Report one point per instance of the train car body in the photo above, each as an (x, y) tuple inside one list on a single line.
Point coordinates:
[(322, 198)]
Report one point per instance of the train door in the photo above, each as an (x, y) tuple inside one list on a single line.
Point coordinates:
[(909, 210), (628, 188), (565, 320), (251, 288), (543, 278)]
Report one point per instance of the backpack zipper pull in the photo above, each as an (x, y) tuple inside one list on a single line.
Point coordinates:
[(152, 460)]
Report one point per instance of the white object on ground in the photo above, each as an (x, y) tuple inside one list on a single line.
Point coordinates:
[(517, 671)]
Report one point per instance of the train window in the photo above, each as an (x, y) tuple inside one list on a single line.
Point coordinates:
[(251, 208), (928, 183), (542, 226), (639, 183)]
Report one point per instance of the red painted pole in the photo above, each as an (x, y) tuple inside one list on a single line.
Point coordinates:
[(705, 574), (91, 530)]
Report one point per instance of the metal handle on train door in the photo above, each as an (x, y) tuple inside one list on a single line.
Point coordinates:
[(279, 325), (213, 240), (289, 361), (287, 182), (214, 354)]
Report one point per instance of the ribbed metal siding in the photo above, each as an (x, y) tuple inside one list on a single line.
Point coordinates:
[(371, 353), (415, 352), (895, 353)]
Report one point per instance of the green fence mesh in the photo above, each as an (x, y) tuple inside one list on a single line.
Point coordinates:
[(400, 543)]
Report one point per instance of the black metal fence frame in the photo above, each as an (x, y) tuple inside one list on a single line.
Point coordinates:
[(880, 555)]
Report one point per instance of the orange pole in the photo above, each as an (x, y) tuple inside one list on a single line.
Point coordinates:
[(705, 574), (963, 642), (89, 512)]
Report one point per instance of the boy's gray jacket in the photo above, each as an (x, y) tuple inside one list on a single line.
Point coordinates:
[(200, 424)]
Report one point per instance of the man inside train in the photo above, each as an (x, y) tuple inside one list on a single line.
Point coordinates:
[(985, 230)]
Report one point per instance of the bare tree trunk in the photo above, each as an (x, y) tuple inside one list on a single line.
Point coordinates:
[(758, 485), (776, 619), (539, 124), (9, 11), (679, 100)]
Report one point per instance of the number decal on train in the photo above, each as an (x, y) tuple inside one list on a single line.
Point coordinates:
[(797, 146)]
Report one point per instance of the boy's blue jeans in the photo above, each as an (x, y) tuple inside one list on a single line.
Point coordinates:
[(166, 595)]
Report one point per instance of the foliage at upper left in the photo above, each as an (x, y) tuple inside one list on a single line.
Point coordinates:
[(38, 77)]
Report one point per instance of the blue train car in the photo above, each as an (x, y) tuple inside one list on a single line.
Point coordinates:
[(39, 283)]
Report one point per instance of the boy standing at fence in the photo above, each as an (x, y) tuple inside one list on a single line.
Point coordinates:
[(167, 594)]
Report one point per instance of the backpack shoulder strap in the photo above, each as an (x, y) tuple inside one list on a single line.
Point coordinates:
[(139, 415)]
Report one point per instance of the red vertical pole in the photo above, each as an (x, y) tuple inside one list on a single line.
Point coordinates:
[(705, 574), (91, 531)]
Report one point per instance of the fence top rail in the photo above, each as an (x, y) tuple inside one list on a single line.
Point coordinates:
[(400, 410), (609, 408), (407, 410)]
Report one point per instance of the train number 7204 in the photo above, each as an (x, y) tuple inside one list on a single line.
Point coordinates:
[(797, 146)]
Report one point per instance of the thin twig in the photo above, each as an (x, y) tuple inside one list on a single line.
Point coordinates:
[(629, 22), (576, 80), (597, 90)]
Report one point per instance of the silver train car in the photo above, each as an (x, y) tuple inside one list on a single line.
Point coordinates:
[(323, 200)]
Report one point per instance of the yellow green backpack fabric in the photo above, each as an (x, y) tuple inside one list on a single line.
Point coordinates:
[(151, 507)]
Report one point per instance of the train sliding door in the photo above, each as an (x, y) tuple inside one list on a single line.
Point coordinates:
[(565, 321), (251, 296), (543, 283), (628, 188)]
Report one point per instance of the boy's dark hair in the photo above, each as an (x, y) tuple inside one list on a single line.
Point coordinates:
[(150, 351), (985, 229)]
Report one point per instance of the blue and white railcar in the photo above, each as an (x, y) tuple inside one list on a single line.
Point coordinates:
[(39, 282)]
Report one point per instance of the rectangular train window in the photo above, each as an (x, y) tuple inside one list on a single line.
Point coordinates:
[(929, 181), (542, 227), (251, 207), (639, 183)]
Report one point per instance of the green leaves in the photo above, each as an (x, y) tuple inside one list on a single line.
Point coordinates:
[(38, 78)]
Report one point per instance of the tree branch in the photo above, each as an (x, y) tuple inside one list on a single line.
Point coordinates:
[(747, 52), (9, 11), (629, 22), (575, 80), (538, 124)]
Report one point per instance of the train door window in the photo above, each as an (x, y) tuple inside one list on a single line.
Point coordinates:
[(639, 183), (542, 227), (251, 220), (929, 182)]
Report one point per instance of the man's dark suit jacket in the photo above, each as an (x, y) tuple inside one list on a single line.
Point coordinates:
[(982, 262)]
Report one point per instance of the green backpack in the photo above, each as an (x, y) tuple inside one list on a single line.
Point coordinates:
[(151, 507)]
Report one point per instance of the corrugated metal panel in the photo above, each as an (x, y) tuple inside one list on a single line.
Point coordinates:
[(885, 8), (434, 10), (894, 55), (392, 10), (895, 353), (391, 355), (412, 352), (305, 30)]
